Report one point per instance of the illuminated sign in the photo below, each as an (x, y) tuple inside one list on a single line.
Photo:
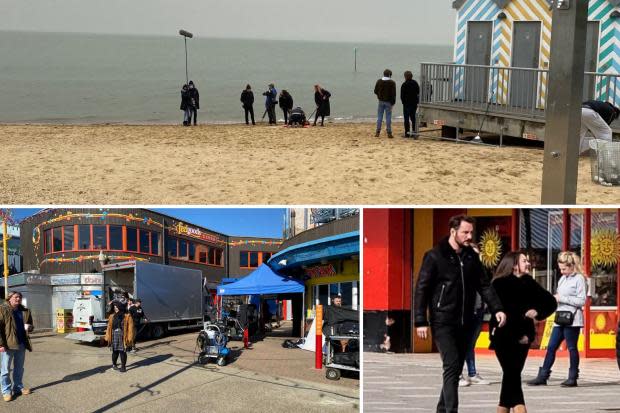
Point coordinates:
[(321, 271), (192, 232)]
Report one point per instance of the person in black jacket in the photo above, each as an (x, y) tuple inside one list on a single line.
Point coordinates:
[(524, 301), (618, 344), (247, 99), (410, 97), (385, 89), (194, 98), (321, 99), (450, 276), (137, 314), (185, 105), (596, 116), (286, 104)]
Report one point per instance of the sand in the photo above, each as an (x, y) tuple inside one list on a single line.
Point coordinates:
[(240, 165)]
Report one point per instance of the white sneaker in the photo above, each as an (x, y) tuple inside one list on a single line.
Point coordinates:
[(478, 380), (464, 381)]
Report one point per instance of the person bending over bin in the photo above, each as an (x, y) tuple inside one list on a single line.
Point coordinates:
[(450, 275), (15, 324), (596, 116)]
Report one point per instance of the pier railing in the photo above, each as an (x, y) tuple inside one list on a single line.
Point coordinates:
[(503, 90)]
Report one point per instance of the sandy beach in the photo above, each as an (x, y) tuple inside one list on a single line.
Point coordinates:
[(236, 164)]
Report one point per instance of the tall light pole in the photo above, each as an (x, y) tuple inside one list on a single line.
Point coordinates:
[(185, 35), (5, 215)]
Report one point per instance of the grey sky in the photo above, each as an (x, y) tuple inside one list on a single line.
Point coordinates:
[(398, 21)]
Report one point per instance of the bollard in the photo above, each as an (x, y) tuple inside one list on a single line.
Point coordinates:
[(318, 360), (246, 339)]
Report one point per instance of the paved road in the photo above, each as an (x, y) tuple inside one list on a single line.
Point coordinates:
[(162, 377), (399, 382)]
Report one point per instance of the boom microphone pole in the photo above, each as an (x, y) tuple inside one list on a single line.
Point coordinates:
[(185, 35)]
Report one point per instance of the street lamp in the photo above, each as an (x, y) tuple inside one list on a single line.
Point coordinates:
[(185, 35)]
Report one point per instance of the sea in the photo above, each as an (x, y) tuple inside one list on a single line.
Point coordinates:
[(74, 78)]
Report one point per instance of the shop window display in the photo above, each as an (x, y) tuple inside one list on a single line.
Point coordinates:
[(84, 237), (132, 239)]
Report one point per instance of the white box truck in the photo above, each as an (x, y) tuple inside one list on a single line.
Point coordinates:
[(173, 298)]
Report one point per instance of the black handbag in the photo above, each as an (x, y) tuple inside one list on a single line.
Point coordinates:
[(564, 318)]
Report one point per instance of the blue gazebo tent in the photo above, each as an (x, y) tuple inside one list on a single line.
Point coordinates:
[(262, 281)]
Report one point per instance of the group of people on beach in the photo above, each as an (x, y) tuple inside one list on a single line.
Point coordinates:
[(292, 116), (190, 103), (450, 280)]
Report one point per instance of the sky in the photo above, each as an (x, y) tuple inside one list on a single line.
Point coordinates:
[(391, 21), (249, 222)]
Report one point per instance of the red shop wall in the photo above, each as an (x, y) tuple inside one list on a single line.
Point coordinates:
[(387, 259)]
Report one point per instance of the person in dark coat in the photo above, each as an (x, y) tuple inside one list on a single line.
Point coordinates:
[(450, 275), (410, 97), (618, 345), (119, 335), (15, 325), (286, 104), (321, 99), (524, 301), (137, 314), (247, 100), (194, 98), (185, 105)]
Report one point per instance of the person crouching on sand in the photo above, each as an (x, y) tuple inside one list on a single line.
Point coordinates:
[(186, 105), (247, 100), (119, 335)]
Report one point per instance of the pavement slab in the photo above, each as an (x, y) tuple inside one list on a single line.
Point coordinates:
[(406, 382), (164, 377)]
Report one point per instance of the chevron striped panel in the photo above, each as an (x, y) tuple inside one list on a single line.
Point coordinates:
[(609, 49)]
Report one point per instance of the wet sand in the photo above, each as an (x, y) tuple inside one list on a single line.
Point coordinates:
[(241, 165)]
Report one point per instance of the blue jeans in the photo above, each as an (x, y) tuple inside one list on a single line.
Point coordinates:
[(17, 357), (387, 108), (559, 334), (470, 357)]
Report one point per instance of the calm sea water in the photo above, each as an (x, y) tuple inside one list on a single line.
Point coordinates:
[(87, 78)]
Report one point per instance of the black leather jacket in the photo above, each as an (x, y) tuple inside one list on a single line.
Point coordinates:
[(447, 285)]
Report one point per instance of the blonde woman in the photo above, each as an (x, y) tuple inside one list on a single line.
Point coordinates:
[(571, 297)]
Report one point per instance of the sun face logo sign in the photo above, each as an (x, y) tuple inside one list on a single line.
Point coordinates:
[(490, 248), (604, 248)]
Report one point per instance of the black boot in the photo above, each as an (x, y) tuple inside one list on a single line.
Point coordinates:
[(572, 378), (541, 379)]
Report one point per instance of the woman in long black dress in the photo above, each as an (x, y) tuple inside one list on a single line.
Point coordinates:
[(321, 98), (524, 301)]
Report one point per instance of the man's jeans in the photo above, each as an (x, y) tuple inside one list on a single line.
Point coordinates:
[(452, 342), (16, 357), (387, 108)]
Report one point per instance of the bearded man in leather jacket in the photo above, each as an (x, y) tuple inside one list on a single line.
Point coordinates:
[(450, 276)]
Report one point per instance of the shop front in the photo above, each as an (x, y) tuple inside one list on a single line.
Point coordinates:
[(396, 240)]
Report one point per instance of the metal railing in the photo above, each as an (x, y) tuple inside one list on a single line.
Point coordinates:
[(503, 90)]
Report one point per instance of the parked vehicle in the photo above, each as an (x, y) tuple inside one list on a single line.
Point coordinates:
[(173, 298)]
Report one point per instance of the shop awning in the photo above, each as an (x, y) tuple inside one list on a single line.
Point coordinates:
[(337, 246), (263, 280)]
